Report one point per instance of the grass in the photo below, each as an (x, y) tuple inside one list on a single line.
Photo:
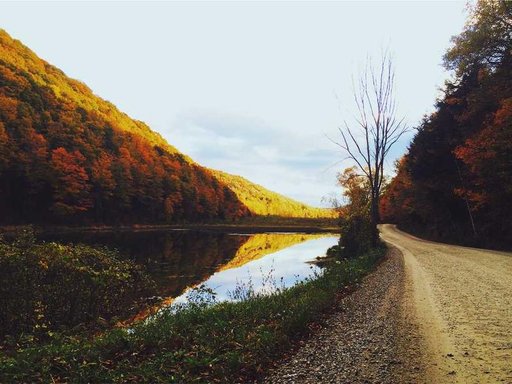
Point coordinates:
[(226, 342)]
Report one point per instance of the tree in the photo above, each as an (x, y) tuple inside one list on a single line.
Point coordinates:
[(356, 193), (455, 182), (72, 187), (356, 231), (103, 183), (4, 149), (376, 129), (486, 40)]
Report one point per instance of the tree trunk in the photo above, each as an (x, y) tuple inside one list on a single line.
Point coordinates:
[(375, 219)]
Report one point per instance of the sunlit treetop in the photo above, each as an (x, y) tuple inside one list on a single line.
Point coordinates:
[(486, 40)]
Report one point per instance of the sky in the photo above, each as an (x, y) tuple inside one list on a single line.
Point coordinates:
[(257, 89)]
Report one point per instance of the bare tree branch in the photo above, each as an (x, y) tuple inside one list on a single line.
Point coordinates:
[(378, 124)]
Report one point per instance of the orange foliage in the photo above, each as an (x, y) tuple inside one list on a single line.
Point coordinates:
[(66, 155), (71, 186), (101, 174)]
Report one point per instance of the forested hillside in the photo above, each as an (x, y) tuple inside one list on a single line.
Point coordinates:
[(67, 156), (261, 201), (455, 182)]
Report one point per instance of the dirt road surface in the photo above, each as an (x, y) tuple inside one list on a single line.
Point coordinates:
[(430, 313), (461, 301)]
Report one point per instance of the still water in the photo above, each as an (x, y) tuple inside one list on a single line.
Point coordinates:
[(179, 260)]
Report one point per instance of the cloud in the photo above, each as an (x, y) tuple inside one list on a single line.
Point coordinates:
[(296, 165)]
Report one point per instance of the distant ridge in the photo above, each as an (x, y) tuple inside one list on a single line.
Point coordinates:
[(264, 202)]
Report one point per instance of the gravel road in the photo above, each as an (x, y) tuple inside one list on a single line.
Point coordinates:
[(430, 313), (463, 305)]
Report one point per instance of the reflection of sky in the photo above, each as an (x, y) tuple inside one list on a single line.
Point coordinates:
[(286, 266)]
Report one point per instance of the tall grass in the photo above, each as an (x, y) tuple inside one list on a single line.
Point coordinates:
[(226, 342)]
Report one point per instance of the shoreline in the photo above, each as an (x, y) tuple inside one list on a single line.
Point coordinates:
[(241, 227)]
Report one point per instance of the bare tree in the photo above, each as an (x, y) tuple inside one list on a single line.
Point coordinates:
[(375, 130)]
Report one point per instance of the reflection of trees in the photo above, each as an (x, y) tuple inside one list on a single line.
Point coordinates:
[(174, 259), (188, 258), (263, 244), (180, 259)]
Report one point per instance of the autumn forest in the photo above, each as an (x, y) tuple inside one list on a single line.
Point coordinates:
[(69, 157), (455, 182)]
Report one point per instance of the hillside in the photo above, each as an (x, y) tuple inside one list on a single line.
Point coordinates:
[(68, 156), (261, 201), (455, 182)]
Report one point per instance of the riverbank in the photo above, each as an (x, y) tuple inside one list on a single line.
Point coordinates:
[(249, 226), (226, 342)]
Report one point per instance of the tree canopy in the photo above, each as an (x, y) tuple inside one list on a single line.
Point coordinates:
[(455, 182)]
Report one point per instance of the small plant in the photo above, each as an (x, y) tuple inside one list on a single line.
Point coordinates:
[(244, 290), (202, 296)]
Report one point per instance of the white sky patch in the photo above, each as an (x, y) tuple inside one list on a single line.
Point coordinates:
[(249, 88)]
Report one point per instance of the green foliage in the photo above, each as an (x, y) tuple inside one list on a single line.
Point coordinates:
[(49, 286), (227, 342), (486, 39), (356, 236)]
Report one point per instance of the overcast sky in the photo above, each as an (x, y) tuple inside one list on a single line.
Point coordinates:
[(254, 89)]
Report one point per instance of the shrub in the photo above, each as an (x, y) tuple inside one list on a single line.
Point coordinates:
[(48, 286), (356, 236), (355, 239)]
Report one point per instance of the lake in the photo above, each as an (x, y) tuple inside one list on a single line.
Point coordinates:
[(179, 260)]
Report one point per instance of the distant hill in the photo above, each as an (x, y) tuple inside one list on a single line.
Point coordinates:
[(261, 201), (68, 156)]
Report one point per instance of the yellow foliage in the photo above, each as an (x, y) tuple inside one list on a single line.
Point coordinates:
[(263, 244), (261, 201), (73, 95), (72, 91)]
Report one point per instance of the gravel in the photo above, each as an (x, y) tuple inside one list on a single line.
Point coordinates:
[(370, 337)]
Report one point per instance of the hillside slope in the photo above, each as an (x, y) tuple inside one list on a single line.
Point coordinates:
[(264, 202), (68, 156)]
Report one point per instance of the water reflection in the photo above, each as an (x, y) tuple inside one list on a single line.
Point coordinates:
[(270, 270), (174, 259), (178, 260), (262, 244)]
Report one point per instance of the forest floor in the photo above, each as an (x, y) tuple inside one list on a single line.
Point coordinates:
[(431, 313)]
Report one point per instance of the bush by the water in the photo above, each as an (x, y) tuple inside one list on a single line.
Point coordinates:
[(356, 237), (49, 286)]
